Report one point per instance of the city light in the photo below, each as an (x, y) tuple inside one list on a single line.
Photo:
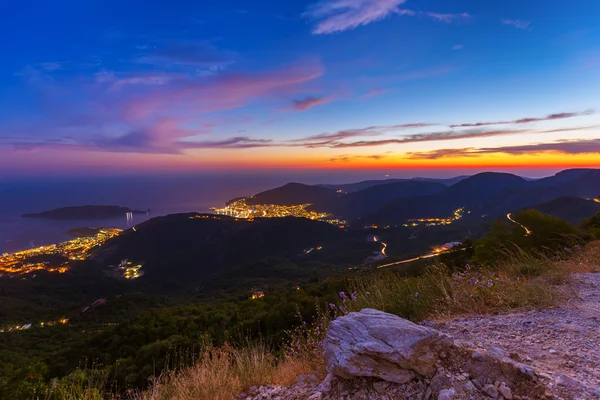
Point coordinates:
[(458, 214), (22, 262), (241, 209)]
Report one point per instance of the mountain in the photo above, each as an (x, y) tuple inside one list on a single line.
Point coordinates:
[(466, 193), (84, 212), (584, 183), (562, 177), (569, 208), (355, 187), (182, 250), (361, 203), (291, 194)]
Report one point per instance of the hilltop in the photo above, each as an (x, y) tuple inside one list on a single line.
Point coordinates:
[(394, 201)]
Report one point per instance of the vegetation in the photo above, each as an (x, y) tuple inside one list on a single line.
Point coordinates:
[(150, 346)]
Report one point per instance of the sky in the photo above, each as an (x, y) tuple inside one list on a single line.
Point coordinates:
[(428, 85)]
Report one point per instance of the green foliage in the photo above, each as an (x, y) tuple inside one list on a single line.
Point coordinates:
[(548, 234), (592, 226)]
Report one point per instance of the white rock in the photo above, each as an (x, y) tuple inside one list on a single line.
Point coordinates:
[(490, 391), (446, 394), (372, 343), (505, 391), (469, 387)]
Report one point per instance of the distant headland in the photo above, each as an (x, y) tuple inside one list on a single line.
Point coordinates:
[(85, 212)]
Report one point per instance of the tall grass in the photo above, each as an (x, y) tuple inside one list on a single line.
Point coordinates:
[(520, 280), (223, 373)]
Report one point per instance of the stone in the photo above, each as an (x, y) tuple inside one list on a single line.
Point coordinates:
[(371, 343), (469, 387), (427, 394), (327, 383), (381, 386), (308, 379), (566, 381), (446, 394), (478, 384), (515, 356), (490, 391), (439, 382), (496, 352), (505, 391)]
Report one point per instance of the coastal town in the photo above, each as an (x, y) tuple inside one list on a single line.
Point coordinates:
[(241, 209), (35, 259)]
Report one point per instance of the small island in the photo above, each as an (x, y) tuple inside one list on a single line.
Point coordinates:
[(85, 212)]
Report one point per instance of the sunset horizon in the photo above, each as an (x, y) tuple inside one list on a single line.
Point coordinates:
[(511, 88)]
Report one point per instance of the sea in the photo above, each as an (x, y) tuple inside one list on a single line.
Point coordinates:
[(162, 194)]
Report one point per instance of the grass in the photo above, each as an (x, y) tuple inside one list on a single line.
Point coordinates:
[(520, 280), (223, 373)]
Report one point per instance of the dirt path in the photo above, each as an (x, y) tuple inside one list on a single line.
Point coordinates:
[(562, 343)]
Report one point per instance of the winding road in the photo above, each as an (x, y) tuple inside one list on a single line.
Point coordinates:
[(527, 231)]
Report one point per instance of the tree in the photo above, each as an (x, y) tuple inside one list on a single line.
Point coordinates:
[(530, 231)]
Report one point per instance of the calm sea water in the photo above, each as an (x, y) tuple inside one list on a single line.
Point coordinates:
[(162, 194)]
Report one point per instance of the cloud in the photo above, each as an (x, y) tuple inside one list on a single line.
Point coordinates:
[(331, 16), (116, 83), (309, 102), (429, 137), (332, 139), (148, 112), (350, 157), (340, 15), (52, 66), (457, 47), (550, 117), (448, 18), (202, 54), (373, 93), (237, 142), (517, 23), (225, 91), (572, 147)]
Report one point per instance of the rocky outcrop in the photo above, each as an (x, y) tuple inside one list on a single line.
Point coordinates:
[(542, 354), (375, 344)]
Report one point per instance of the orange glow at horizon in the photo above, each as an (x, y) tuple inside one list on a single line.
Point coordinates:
[(291, 159)]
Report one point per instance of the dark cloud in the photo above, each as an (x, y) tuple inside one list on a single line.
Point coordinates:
[(325, 139), (429, 137), (309, 102), (237, 142), (591, 146), (550, 117), (350, 157)]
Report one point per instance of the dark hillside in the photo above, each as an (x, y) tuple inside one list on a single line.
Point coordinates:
[(466, 193), (181, 250), (364, 202), (291, 194)]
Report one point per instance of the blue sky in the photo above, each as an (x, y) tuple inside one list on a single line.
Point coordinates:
[(298, 84)]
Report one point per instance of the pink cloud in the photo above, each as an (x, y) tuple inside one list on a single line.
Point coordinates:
[(225, 91), (309, 102), (373, 93)]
